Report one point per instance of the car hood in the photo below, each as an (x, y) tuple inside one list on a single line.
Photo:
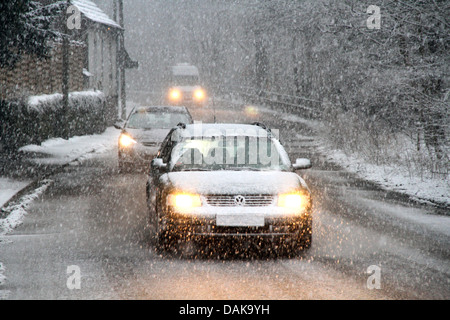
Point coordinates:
[(234, 182), (152, 135)]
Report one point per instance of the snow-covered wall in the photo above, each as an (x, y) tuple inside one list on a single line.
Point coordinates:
[(42, 117)]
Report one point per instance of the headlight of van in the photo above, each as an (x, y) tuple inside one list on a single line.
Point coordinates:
[(199, 95), (175, 95)]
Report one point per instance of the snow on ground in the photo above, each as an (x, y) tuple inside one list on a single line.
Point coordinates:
[(59, 151), (10, 187), (3, 293), (389, 177), (2, 277), (55, 152), (435, 223), (17, 211), (52, 152)]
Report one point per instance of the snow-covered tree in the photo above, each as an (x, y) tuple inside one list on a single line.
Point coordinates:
[(25, 28)]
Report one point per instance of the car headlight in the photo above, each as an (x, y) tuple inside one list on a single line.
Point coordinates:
[(251, 111), (184, 201), (295, 200), (175, 95), (125, 140), (199, 94)]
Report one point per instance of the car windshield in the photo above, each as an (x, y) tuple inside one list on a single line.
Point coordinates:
[(229, 153), (148, 120), (185, 80)]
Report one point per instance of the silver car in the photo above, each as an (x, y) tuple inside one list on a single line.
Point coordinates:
[(144, 132), (228, 181)]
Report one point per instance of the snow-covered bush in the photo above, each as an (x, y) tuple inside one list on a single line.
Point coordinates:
[(383, 93), (39, 118)]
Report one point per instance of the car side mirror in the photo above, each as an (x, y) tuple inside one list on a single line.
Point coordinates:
[(302, 164), (119, 125), (158, 165)]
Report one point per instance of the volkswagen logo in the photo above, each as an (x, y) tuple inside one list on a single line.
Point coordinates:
[(239, 201)]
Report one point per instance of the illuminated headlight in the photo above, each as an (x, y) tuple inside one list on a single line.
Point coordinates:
[(184, 201), (199, 95), (125, 140), (251, 110), (175, 95), (296, 200)]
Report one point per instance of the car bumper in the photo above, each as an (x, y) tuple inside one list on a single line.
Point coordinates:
[(209, 226), (138, 154)]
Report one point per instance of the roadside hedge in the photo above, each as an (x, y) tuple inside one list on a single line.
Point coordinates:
[(38, 118)]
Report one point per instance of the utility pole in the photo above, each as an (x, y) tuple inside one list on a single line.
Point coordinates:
[(117, 77), (123, 94), (295, 63), (65, 75)]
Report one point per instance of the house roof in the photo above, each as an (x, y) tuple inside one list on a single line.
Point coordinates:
[(91, 11)]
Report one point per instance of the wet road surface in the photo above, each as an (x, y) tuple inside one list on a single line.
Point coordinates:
[(95, 218)]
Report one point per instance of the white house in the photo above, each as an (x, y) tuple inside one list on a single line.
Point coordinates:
[(106, 56)]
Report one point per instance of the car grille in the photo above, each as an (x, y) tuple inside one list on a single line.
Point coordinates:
[(239, 200)]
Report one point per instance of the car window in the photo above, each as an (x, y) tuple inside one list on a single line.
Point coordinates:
[(149, 120), (228, 153), (185, 80)]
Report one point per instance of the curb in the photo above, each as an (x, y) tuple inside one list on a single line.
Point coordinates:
[(37, 182)]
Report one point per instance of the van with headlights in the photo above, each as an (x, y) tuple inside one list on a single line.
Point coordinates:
[(185, 88)]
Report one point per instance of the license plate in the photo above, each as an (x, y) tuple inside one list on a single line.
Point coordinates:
[(240, 221)]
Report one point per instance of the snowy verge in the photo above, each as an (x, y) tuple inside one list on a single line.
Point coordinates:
[(4, 294), (56, 152), (15, 215), (17, 211), (395, 178), (59, 151), (9, 188), (2, 277), (389, 177)]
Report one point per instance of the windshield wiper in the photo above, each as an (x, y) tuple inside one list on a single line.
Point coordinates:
[(243, 169)]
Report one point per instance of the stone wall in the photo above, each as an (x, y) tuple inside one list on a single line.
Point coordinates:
[(33, 76)]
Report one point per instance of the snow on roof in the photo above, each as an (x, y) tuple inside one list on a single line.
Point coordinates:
[(184, 69), (94, 13), (223, 129)]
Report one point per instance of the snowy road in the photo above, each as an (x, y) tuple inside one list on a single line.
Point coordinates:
[(94, 218)]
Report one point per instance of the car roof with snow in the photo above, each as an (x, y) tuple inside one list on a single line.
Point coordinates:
[(184, 69), (223, 129)]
